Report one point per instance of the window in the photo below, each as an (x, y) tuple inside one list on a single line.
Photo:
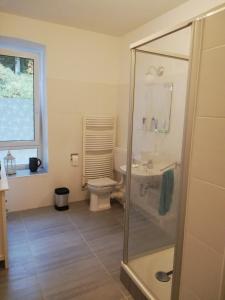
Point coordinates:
[(20, 106)]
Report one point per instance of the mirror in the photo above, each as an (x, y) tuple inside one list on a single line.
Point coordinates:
[(158, 106)]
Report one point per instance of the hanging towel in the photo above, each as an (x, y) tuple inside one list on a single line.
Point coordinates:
[(166, 192)]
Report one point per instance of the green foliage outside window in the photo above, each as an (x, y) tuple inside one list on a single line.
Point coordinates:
[(26, 64), (14, 85)]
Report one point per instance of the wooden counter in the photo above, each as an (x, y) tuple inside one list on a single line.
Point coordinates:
[(3, 225)]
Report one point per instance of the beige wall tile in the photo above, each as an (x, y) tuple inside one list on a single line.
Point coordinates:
[(211, 92), (222, 289), (201, 269), (204, 244), (206, 207), (214, 32), (208, 158)]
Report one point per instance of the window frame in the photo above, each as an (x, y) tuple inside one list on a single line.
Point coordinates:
[(37, 142)]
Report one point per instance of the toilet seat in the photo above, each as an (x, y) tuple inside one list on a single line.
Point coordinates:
[(102, 182)]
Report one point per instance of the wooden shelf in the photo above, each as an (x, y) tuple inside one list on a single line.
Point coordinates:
[(3, 225), (3, 181)]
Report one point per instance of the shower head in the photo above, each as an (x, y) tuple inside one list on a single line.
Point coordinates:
[(160, 71), (153, 72)]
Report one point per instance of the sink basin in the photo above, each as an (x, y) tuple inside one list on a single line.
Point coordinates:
[(140, 170)]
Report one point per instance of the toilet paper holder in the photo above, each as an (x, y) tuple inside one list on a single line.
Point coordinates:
[(74, 158)]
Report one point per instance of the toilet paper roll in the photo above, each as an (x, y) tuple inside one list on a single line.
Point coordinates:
[(74, 160)]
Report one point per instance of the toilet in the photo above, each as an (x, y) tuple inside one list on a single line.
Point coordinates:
[(100, 190), (100, 160)]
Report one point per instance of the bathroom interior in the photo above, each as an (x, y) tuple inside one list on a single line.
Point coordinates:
[(112, 167)]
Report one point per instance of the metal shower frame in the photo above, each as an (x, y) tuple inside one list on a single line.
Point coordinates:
[(185, 154)]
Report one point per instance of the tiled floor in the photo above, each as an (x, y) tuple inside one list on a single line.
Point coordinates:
[(64, 255), (145, 235), (74, 254)]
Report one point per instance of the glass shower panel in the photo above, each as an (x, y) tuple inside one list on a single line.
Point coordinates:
[(176, 43), (158, 119)]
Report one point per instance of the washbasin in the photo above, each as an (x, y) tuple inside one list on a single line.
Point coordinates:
[(156, 169)]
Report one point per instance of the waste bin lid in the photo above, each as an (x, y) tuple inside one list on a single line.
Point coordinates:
[(62, 191)]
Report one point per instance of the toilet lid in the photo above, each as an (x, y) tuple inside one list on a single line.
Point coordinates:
[(100, 182)]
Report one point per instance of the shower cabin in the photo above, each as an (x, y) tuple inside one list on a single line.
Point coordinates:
[(164, 72)]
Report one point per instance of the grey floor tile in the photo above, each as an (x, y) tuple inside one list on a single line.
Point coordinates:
[(87, 220), (51, 243), (74, 254), (111, 260), (14, 218), (108, 249), (18, 253), (26, 289), (145, 235), (38, 212), (90, 220), (75, 281), (45, 221), (101, 231), (50, 232), (87, 291), (108, 291), (16, 229), (18, 270), (64, 257), (16, 237), (108, 242)]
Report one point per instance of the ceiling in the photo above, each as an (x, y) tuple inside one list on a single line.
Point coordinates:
[(113, 17)]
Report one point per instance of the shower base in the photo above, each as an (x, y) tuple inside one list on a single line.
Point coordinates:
[(141, 272)]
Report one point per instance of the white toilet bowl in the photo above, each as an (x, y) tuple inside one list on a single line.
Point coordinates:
[(100, 190)]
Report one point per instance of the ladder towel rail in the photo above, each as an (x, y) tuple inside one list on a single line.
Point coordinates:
[(98, 145)]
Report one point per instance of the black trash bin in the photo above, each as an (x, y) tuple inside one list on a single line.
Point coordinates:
[(61, 198)]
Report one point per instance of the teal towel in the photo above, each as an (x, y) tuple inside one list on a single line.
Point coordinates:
[(166, 192)]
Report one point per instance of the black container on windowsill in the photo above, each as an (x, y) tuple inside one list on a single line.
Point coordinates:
[(61, 198), (34, 164)]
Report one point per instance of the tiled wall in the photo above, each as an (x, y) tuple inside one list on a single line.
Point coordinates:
[(204, 245)]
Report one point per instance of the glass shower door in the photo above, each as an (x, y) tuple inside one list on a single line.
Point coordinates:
[(158, 122)]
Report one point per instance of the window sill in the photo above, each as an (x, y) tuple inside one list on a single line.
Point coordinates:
[(27, 172)]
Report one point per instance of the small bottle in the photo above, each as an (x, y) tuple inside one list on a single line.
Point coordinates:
[(144, 123), (156, 125), (152, 126)]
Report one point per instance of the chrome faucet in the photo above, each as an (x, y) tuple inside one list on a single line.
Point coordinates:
[(149, 164)]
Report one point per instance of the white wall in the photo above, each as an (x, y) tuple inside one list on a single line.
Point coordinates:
[(174, 17), (82, 78), (86, 73), (169, 144)]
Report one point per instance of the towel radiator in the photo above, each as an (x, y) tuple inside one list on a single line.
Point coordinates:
[(98, 145)]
